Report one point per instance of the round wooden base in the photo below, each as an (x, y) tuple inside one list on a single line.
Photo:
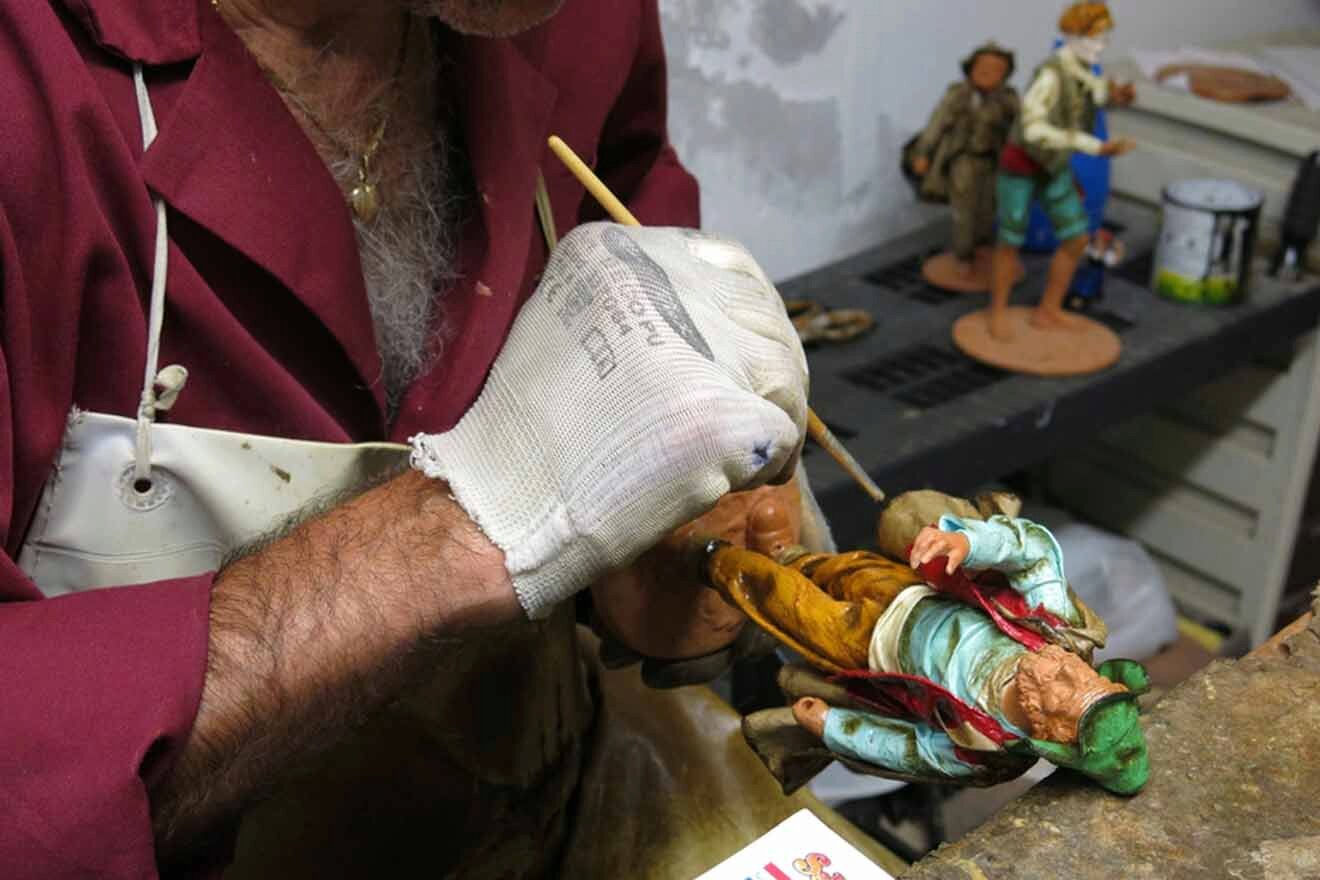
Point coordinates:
[(1083, 346), (947, 272), (1234, 85)]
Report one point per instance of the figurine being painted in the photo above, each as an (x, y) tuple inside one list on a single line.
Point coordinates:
[(948, 677), (1058, 116)]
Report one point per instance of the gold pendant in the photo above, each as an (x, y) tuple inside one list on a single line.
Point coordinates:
[(365, 201)]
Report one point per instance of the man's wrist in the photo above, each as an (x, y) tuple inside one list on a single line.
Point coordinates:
[(477, 589)]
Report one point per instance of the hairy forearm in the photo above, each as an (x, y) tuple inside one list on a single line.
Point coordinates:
[(317, 630)]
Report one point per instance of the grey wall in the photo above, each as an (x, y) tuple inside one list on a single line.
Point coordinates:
[(791, 112)]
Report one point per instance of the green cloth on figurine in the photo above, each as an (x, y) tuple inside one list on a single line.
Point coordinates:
[(1110, 748), (1057, 194)]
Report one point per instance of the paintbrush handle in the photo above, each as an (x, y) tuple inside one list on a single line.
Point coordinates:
[(617, 210), (821, 433)]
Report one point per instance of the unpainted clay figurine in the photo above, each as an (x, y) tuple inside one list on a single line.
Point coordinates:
[(954, 158), (964, 665), (1058, 115), (658, 610)]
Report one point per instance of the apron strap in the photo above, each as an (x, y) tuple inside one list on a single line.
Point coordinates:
[(545, 212), (173, 377)]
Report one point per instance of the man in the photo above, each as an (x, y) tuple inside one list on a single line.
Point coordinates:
[(955, 154), (1058, 116), (959, 670), (333, 213)]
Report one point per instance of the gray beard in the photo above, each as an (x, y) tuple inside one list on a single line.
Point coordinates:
[(408, 257)]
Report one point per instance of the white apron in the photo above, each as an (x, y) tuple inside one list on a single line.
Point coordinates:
[(133, 502)]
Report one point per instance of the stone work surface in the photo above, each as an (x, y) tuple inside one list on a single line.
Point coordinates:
[(1234, 789)]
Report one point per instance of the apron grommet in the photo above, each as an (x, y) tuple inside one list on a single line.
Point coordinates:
[(144, 493)]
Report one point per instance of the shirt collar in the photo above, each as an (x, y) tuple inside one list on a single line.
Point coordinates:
[(143, 31), (1079, 70)]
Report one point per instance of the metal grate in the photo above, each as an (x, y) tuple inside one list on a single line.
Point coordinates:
[(925, 376), (897, 371), (965, 379), (932, 296), (904, 277), (898, 277)]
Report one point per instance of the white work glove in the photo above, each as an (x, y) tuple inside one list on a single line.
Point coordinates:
[(652, 372)]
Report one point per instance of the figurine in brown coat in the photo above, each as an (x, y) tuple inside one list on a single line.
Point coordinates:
[(953, 159)]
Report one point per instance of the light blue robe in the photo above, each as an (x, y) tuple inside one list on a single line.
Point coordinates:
[(890, 742), (1027, 555), (958, 647)]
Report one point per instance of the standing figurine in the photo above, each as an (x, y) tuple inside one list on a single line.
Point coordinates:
[(1058, 116), (953, 160)]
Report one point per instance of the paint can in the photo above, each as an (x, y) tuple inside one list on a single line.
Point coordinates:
[(1207, 241)]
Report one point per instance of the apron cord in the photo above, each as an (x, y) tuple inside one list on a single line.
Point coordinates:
[(545, 212), (173, 377)]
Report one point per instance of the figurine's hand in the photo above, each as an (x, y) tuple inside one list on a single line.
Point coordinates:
[(1122, 94), (1118, 147), (810, 712), (920, 166), (933, 543)]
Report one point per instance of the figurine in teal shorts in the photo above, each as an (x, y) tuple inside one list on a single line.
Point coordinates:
[(1058, 116)]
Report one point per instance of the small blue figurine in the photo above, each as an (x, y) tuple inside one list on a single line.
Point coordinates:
[(1104, 252)]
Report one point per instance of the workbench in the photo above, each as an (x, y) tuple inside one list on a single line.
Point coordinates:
[(918, 414)]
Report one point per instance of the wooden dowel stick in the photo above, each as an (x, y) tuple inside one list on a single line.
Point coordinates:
[(617, 210), (851, 466), (620, 214)]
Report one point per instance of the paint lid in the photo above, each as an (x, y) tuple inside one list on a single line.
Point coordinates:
[(1213, 195)]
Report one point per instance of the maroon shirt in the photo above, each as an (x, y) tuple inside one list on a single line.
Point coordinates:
[(266, 309)]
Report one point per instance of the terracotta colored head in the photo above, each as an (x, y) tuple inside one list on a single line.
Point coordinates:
[(989, 67), (1086, 19), (1055, 688), (1110, 744)]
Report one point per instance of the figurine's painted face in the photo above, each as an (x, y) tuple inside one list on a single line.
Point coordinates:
[(1055, 687), (1091, 47), (988, 71)]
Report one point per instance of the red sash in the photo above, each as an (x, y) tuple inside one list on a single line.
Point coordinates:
[(912, 698), (1015, 160), (1004, 604)]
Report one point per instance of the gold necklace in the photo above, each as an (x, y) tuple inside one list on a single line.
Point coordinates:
[(364, 198)]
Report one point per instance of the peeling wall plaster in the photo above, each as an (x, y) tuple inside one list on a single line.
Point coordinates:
[(791, 112)]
